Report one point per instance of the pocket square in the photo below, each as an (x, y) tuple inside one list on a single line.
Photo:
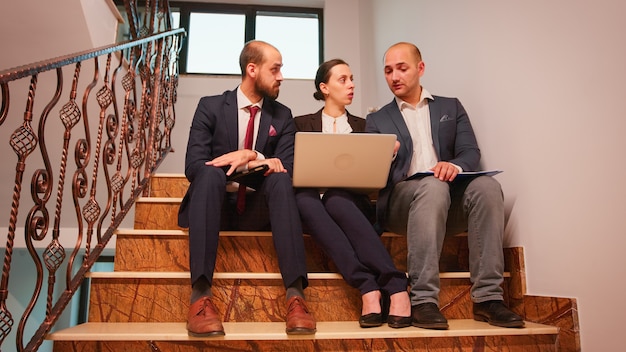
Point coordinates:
[(272, 132), (445, 118)]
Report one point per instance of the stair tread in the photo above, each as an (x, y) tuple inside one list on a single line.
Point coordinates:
[(183, 232), (237, 275), (159, 200), (176, 331)]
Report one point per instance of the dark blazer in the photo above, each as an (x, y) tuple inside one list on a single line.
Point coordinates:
[(313, 122), (214, 132), (453, 139)]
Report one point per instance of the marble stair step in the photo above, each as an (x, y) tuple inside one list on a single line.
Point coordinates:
[(239, 275), (463, 335), (157, 213), (243, 296), (176, 331), (168, 185), (237, 251), (253, 250)]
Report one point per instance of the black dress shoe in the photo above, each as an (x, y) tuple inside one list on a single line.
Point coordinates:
[(371, 320), (496, 313), (428, 316), (397, 322)]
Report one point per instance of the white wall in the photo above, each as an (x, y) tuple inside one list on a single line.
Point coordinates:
[(29, 33), (102, 18), (543, 84)]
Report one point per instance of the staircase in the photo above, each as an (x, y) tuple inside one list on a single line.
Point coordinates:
[(142, 305)]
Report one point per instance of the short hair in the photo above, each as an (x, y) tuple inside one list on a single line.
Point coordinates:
[(253, 52), (323, 75)]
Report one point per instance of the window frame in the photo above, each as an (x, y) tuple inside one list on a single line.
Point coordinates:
[(250, 12)]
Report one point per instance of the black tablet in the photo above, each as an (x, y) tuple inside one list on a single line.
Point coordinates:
[(251, 177)]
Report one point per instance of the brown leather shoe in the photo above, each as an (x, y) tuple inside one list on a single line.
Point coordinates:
[(299, 320), (203, 320)]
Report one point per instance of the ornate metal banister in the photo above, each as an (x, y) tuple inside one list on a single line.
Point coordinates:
[(118, 135)]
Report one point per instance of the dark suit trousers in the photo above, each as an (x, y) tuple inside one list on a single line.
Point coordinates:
[(346, 235), (273, 203)]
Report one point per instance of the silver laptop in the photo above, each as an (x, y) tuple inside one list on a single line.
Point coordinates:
[(353, 160)]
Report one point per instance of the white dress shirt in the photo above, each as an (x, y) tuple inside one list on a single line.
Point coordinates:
[(335, 124), (417, 119)]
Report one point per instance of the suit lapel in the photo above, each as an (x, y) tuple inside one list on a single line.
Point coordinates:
[(435, 114), (231, 114), (264, 125), (405, 137), (316, 121)]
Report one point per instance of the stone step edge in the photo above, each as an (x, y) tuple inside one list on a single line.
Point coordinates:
[(331, 330), (159, 200), (169, 175), (237, 275), (182, 232)]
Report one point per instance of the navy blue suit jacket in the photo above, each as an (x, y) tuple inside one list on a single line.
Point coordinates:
[(453, 138), (214, 132)]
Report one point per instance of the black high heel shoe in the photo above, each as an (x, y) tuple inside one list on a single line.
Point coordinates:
[(396, 321), (373, 320)]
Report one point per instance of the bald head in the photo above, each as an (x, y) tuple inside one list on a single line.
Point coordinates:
[(254, 52), (410, 48)]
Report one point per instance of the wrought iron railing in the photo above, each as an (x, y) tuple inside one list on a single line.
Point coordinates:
[(118, 134)]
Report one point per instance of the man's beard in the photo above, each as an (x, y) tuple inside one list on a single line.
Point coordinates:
[(266, 91)]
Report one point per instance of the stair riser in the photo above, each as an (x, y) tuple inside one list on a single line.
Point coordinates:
[(235, 254), (167, 300), (256, 254), (163, 216), (174, 187), (536, 343)]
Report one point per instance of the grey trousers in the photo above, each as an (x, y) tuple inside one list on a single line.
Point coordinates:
[(423, 209)]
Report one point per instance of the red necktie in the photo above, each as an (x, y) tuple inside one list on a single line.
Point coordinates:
[(247, 144)]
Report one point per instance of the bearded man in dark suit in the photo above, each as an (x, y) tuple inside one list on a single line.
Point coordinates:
[(221, 128)]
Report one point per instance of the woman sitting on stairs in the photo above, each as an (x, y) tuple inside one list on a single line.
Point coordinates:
[(337, 221)]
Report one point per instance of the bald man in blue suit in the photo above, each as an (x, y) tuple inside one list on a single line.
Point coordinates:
[(434, 134)]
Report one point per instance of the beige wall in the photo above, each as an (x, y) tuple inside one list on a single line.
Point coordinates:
[(543, 84), (29, 31)]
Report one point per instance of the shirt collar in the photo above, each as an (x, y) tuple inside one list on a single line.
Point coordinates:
[(342, 117), (425, 95), (244, 102)]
